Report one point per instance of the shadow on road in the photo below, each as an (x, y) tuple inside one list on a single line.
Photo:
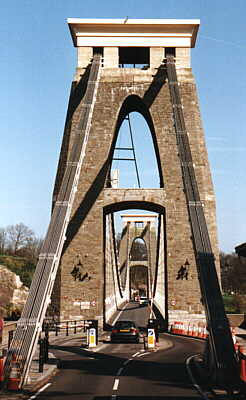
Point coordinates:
[(148, 398), (91, 363)]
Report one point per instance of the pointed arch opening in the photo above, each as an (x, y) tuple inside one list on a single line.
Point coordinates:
[(139, 266), (139, 281), (138, 250), (136, 160)]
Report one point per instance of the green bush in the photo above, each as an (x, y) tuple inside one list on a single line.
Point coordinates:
[(235, 304), (13, 313), (20, 266)]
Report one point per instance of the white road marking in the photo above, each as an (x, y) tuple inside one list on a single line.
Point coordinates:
[(195, 384), (119, 372), (127, 361), (39, 391), (100, 347), (116, 384), (134, 355), (143, 354)]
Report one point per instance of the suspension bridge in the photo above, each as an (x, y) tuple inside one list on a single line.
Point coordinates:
[(139, 66)]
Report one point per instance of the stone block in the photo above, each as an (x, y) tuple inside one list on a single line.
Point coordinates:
[(111, 57), (85, 55)]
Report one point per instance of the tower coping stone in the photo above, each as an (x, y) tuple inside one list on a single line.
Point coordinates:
[(124, 32), (138, 218)]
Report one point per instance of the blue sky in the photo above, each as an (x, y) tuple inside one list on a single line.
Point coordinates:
[(36, 69)]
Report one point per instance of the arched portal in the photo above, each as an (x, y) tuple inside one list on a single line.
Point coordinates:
[(142, 226), (139, 266), (139, 251), (139, 281)]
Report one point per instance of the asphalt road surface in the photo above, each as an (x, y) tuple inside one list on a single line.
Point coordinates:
[(124, 371)]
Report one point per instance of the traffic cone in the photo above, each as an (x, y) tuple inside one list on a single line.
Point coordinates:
[(242, 357), (190, 329), (186, 328), (200, 330), (174, 327), (204, 331), (1, 371), (14, 376), (234, 338)]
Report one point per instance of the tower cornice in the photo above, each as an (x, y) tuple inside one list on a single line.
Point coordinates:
[(90, 32)]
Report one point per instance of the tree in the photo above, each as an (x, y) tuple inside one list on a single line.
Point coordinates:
[(3, 240), (233, 274), (19, 236), (32, 248)]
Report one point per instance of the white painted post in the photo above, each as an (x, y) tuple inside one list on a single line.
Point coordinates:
[(92, 337), (151, 338)]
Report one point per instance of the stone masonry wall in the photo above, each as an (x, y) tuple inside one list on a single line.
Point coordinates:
[(84, 298)]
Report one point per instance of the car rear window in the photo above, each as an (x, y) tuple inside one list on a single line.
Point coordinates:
[(124, 324)]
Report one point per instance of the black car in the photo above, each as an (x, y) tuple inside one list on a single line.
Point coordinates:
[(125, 331)]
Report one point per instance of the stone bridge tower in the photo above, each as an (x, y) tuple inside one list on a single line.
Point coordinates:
[(132, 79)]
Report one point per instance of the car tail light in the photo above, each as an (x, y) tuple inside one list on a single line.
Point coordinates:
[(115, 331), (133, 330)]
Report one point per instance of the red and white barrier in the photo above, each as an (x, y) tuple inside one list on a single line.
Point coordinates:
[(193, 328)]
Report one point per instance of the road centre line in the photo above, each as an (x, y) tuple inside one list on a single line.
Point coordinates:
[(39, 391), (116, 384), (143, 354), (127, 361), (119, 372)]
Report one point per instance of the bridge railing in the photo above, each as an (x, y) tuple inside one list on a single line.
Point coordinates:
[(66, 327), (9, 329)]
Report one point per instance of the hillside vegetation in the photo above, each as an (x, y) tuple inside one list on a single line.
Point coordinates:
[(19, 249), (20, 266)]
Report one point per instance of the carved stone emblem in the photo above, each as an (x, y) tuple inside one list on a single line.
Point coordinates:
[(79, 271)]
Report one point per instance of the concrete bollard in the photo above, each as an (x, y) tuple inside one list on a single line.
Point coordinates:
[(92, 337), (151, 338)]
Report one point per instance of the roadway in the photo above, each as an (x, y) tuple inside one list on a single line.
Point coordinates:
[(123, 371)]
